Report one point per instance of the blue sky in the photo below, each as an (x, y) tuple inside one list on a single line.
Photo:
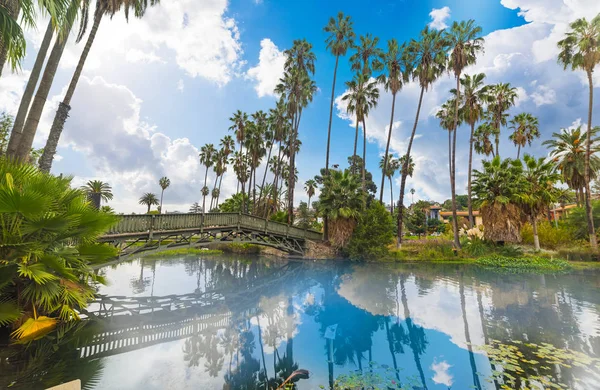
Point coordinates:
[(155, 90)]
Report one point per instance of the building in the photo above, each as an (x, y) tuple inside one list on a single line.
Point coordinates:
[(434, 212), (561, 212), (463, 216)]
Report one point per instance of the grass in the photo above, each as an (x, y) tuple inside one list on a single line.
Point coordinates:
[(184, 251), (524, 264)]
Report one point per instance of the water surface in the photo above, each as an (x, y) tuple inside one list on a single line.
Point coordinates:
[(248, 323)]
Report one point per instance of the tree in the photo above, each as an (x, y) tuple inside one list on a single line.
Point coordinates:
[(397, 68), (481, 139), (207, 158), (103, 7), (416, 223), (569, 154), (164, 183), (503, 97), (389, 167), (240, 167), (373, 234), (6, 122), (429, 57), (340, 39), (539, 178), (309, 187), (97, 191), (149, 199), (361, 98), (237, 203), (581, 51), (465, 42), (525, 130), (499, 188), (474, 98), (48, 246), (195, 208)]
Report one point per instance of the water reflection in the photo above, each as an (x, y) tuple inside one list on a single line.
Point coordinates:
[(237, 324)]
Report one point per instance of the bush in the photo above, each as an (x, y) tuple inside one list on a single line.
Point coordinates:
[(577, 221), (550, 236), (523, 264), (48, 241), (280, 216), (372, 235)]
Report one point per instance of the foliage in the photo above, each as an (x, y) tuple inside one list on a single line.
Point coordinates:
[(377, 377), (523, 264), (462, 202), (148, 199), (234, 203), (280, 216), (577, 220), (372, 235), (341, 196), (98, 191), (6, 123), (551, 237), (435, 226), (304, 218), (184, 252), (415, 221), (48, 236)]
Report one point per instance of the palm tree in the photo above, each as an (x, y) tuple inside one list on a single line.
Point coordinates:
[(581, 50), (149, 199), (429, 57), (389, 170), (340, 39), (367, 58), (412, 193), (481, 139), (502, 97), (240, 167), (397, 71), (362, 96), (465, 42), (239, 122), (220, 167), (540, 177), (525, 129), (163, 182), (568, 153), (98, 191), (446, 117), (103, 7), (309, 187), (207, 153), (474, 98)]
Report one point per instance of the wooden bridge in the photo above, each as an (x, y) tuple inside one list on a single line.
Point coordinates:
[(141, 233)]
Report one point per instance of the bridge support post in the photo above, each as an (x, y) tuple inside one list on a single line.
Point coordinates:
[(151, 230)]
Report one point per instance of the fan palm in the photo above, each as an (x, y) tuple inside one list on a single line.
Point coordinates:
[(429, 57), (580, 50), (389, 167), (310, 187), (474, 98), (239, 122), (446, 117), (220, 167), (503, 97), (525, 129), (98, 191), (48, 243), (367, 58), (164, 183), (465, 42), (240, 167), (482, 143), (103, 7), (397, 72), (149, 199), (207, 158), (340, 39)]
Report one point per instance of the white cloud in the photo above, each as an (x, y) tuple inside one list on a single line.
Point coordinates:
[(543, 95), (180, 85), (269, 70), (439, 17), (442, 376), (136, 55)]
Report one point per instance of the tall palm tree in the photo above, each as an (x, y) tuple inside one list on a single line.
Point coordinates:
[(482, 143), (98, 191), (465, 42), (240, 167), (207, 153), (475, 97), (362, 96), (149, 199), (581, 51), (164, 183), (368, 57), (103, 7), (525, 128), (297, 88), (309, 187), (239, 122), (428, 55), (389, 166), (220, 167), (397, 71), (503, 97), (340, 39)]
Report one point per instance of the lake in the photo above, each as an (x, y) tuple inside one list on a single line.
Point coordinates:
[(233, 322)]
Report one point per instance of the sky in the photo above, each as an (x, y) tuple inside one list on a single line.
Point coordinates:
[(154, 90)]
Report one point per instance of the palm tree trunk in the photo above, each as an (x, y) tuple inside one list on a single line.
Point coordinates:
[(337, 58), (254, 191), (161, 199), (588, 199), (411, 334), (291, 176), (148, 212), (453, 176), (13, 7), (404, 169), (536, 238), (64, 107), (266, 170), (355, 144), (218, 196), (387, 149), (204, 196), (518, 152), (21, 150), (476, 382), (309, 203), (212, 197), (250, 184), (275, 183), (17, 130), (364, 180), (391, 196), (469, 200)]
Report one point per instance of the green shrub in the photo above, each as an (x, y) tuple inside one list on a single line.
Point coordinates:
[(580, 253), (577, 221), (523, 264), (509, 251), (551, 237), (372, 235), (476, 247), (280, 216)]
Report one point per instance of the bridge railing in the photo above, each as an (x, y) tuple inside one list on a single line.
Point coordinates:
[(137, 223)]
